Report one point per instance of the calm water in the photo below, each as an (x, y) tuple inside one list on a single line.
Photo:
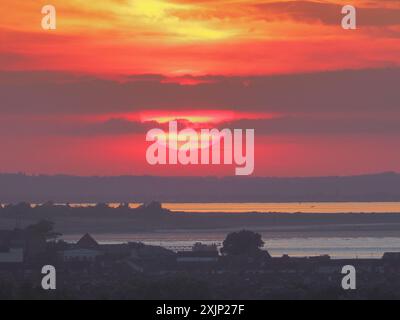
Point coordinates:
[(305, 207), (289, 207), (336, 247)]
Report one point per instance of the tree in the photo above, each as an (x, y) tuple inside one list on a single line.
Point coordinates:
[(242, 242), (43, 228)]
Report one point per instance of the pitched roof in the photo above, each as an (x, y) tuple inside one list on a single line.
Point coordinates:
[(87, 242)]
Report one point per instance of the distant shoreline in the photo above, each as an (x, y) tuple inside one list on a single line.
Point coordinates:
[(384, 207), (153, 218)]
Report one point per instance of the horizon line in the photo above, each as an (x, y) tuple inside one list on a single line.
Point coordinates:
[(390, 172)]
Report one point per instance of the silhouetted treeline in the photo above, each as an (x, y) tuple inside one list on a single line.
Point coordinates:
[(102, 218)]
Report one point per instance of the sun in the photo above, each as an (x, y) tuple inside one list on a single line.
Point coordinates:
[(201, 117)]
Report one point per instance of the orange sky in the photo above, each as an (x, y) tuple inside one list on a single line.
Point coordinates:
[(80, 98), (175, 37)]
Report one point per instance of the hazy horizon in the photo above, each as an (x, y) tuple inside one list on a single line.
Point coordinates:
[(28, 174), (76, 189)]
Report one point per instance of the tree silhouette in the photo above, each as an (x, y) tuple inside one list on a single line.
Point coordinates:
[(242, 242), (43, 228)]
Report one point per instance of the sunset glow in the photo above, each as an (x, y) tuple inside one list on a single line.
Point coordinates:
[(80, 99), (191, 37)]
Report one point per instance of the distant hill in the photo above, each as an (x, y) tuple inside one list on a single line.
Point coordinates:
[(63, 188)]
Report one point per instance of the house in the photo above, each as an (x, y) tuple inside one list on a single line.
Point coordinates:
[(87, 242), (142, 251), (328, 269), (32, 244), (116, 250), (85, 250), (11, 249), (200, 247), (150, 258), (80, 255), (200, 253), (11, 255), (197, 257), (14, 246), (391, 256)]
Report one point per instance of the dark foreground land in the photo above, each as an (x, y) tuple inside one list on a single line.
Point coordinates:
[(239, 271), (100, 284), (135, 271)]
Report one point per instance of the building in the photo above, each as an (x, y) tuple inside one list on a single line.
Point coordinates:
[(200, 247), (201, 253), (11, 255), (87, 242), (197, 257), (391, 256), (150, 258), (85, 250), (80, 255)]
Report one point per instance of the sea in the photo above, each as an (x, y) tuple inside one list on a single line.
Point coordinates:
[(336, 247), (280, 207)]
